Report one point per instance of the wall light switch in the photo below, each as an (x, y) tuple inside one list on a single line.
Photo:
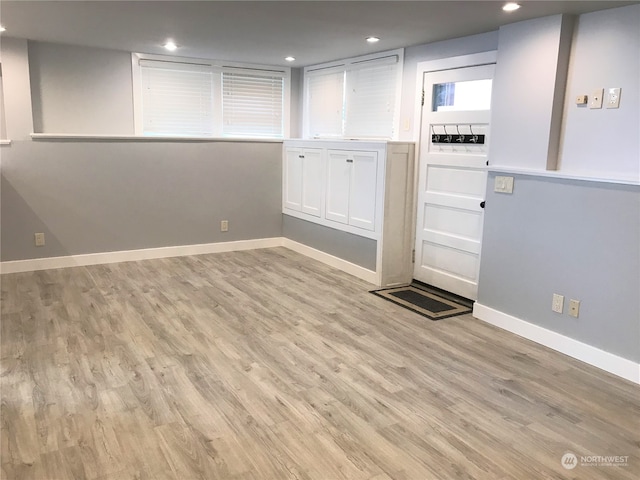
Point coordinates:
[(613, 97), (596, 98), (503, 184)]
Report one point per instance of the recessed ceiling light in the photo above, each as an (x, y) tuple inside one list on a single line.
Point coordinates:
[(170, 45), (2, 29), (290, 59), (510, 7), (373, 39)]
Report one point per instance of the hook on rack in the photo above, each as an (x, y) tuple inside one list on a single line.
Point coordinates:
[(446, 137)]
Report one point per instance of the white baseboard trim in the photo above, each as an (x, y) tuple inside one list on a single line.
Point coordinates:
[(34, 264), (335, 262), (606, 361)]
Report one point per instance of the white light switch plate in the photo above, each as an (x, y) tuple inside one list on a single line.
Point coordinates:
[(503, 184)]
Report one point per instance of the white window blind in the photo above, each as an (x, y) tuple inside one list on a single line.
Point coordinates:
[(355, 98), (325, 104), (206, 98), (177, 99), (252, 104), (370, 101)]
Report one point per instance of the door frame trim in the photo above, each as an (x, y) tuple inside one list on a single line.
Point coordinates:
[(449, 63)]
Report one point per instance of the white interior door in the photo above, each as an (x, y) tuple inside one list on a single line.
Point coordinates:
[(452, 178)]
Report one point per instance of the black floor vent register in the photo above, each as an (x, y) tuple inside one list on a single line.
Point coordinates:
[(429, 302)]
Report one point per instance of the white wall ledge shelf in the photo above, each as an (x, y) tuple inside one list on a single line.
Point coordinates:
[(5, 141), (563, 176), (139, 138)]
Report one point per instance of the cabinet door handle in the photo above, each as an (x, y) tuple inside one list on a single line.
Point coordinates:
[(300, 156), (349, 160)]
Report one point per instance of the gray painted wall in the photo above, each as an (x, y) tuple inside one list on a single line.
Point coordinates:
[(575, 238), (604, 54), (529, 83), (106, 196), (354, 249), (80, 90), (15, 87), (3, 129), (295, 109), (580, 239)]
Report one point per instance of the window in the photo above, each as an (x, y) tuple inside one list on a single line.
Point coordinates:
[(192, 98), (325, 104), (177, 99), (252, 104), (462, 96), (354, 98)]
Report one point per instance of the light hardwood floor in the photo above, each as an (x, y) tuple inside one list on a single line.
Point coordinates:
[(268, 365)]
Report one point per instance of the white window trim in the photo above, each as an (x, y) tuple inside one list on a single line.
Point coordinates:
[(215, 65), (349, 64)]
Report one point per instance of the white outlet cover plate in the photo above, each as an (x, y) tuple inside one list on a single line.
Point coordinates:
[(574, 308), (613, 97), (39, 239), (596, 98), (558, 303)]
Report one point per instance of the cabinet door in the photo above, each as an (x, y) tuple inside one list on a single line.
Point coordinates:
[(292, 181), (362, 198), (312, 181), (338, 185)]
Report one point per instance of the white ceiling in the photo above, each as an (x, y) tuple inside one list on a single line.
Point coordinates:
[(267, 31)]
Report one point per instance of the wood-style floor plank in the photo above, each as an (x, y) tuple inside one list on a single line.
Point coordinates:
[(264, 365)]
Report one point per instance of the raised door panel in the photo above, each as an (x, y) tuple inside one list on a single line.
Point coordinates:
[(292, 181), (338, 185), (362, 198), (312, 181)]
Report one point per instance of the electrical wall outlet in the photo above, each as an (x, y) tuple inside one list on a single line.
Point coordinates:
[(558, 303), (613, 97), (224, 226), (39, 239), (582, 99), (574, 308)]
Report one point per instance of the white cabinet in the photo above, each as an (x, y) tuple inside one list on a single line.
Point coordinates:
[(302, 171), (352, 178), (360, 187)]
